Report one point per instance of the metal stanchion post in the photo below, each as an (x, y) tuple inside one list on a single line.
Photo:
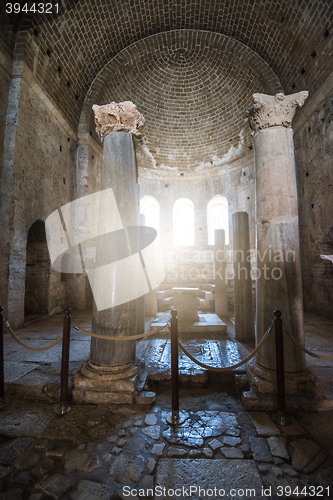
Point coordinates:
[(279, 417), (4, 402), (62, 408), (174, 418)]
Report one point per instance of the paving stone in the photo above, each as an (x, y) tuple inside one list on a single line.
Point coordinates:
[(135, 469), (46, 466), (147, 483), (107, 457), (89, 490), (113, 439), (232, 453), (263, 423), (137, 444), (264, 468), (4, 471), (260, 450), (12, 494), (19, 445), (151, 465), (133, 430), (121, 433), (185, 435), (176, 452), (139, 423), (195, 453), (56, 486), (36, 496), (6, 454), (150, 419), (82, 446), (82, 461), (316, 462), (126, 468), (231, 440), (304, 453), (215, 444), (233, 431), (21, 477), (57, 452), (154, 431), (99, 431), (157, 449), (176, 473), (278, 447), (245, 449), (121, 443), (25, 461), (126, 495), (278, 472), (127, 424), (208, 453), (115, 450), (290, 472)]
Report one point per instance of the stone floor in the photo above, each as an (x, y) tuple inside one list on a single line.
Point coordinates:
[(113, 452)]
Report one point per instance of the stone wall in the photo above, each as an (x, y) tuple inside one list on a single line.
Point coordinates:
[(39, 177), (314, 150)]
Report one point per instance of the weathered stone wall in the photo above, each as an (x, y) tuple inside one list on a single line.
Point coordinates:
[(40, 177), (5, 67), (314, 151)]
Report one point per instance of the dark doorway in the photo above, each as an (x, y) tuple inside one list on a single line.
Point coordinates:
[(37, 272)]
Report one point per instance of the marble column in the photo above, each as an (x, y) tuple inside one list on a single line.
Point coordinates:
[(110, 373), (221, 298), (244, 314), (278, 267), (141, 300)]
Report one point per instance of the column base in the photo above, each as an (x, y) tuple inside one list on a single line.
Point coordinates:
[(117, 385), (303, 390)]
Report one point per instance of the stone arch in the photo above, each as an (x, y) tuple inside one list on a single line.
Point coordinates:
[(37, 271)]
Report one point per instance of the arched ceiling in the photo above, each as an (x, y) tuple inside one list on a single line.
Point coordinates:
[(68, 53), (193, 88)]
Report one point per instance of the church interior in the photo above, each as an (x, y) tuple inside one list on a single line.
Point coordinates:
[(166, 170)]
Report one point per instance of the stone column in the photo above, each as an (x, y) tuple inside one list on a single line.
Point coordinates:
[(221, 298), (279, 284), (244, 316), (141, 300), (110, 374)]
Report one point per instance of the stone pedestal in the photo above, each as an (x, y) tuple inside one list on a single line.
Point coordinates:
[(244, 315), (110, 374), (278, 273), (221, 297), (186, 304)]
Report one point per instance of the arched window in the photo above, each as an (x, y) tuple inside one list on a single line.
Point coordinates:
[(217, 218), (150, 207), (183, 222)]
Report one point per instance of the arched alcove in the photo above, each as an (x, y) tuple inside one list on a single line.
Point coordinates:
[(217, 217), (37, 271)]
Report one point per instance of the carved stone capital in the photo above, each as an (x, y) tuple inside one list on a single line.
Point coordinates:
[(118, 117), (271, 111)]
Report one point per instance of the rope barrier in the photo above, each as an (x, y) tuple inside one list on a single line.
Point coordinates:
[(35, 349), (129, 337), (232, 367), (298, 344)]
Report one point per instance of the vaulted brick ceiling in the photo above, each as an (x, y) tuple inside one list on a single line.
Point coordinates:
[(193, 86)]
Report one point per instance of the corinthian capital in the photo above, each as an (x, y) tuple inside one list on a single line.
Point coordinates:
[(118, 117), (274, 110)]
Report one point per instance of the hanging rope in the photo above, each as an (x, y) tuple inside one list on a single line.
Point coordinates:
[(298, 344), (35, 349), (232, 367), (128, 337)]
